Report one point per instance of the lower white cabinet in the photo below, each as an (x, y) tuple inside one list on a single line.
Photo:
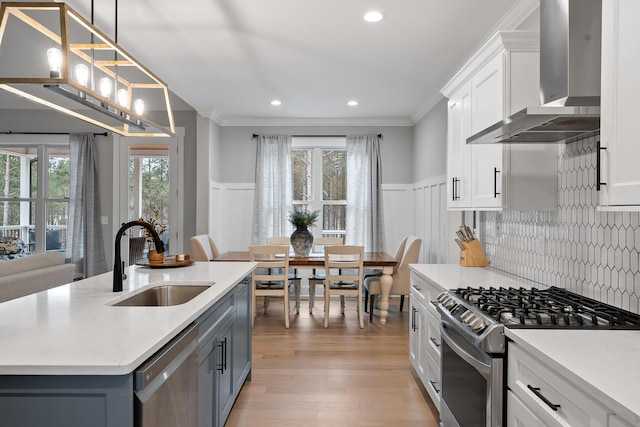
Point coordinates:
[(424, 336), (539, 396)]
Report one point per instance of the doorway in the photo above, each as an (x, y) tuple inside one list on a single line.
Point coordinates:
[(148, 176)]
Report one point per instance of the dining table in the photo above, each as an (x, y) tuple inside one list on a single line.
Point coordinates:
[(372, 261)]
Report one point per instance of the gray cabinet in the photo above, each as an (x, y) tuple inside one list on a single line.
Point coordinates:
[(224, 356)]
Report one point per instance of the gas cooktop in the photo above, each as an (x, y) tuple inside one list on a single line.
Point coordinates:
[(546, 308)]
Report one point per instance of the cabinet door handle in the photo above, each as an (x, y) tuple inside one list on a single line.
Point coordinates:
[(222, 366), (435, 342), (434, 304), (598, 182), (536, 391), (433, 384), (413, 319), (495, 183), (453, 189)]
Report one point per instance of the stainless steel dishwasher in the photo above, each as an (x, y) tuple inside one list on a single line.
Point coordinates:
[(166, 386)]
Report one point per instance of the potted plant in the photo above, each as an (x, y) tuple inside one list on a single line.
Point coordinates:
[(302, 238), (160, 227)]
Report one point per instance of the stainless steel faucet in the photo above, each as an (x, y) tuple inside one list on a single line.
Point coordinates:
[(117, 262)]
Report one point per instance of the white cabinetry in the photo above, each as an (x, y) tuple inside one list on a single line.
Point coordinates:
[(620, 97), (424, 335), (499, 80), (539, 396)]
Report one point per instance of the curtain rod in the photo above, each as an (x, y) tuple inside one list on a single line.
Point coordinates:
[(47, 133), (255, 135)]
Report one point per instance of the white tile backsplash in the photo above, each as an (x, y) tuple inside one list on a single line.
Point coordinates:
[(593, 253)]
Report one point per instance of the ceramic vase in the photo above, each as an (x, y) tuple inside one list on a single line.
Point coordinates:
[(301, 241)]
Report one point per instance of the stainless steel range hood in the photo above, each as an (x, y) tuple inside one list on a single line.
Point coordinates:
[(570, 39)]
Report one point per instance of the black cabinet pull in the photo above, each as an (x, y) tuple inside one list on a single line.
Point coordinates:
[(433, 384), (536, 391), (495, 183), (598, 182), (222, 345), (436, 343)]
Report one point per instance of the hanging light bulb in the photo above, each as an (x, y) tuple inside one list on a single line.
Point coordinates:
[(82, 74), (105, 90), (122, 97), (54, 56), (138, 107), (105, 87), (82, 77)]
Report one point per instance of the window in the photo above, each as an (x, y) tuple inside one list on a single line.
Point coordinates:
[(34, 195), (319, 169)]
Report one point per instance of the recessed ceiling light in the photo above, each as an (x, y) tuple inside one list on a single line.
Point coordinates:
[(352, 103), (276, 102), (374, 16)]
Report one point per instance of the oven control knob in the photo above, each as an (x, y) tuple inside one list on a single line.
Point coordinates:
[(475, 323), (448, 303), (479, 326), (442, 296), (470, 319), (466, 315)]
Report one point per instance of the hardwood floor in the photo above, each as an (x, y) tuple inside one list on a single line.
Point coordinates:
[(341, 376)]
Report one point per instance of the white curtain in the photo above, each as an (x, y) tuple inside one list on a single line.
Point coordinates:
[(365, 222), (84, 229), (274, 188)]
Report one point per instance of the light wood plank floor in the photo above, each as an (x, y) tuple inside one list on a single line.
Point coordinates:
[(341, 376)]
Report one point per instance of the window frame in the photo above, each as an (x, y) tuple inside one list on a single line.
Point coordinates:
[(317, 145), (43, 145)]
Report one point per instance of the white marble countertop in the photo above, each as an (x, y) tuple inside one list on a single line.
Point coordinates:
[(453, 276), (73, 329), (605, 364)]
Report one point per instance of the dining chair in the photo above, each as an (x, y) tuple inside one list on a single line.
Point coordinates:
[(317, 274), (270, 277), (401, 285), (294, 279), (343, 276), (203, 248)]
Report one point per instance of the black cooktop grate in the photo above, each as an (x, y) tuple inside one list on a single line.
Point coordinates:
[(547, 308)]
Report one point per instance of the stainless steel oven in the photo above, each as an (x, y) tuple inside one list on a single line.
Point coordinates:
[(472, 383), (473, 343)]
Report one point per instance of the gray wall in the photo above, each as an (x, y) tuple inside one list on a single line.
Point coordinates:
[(238, 149), (430, 144)]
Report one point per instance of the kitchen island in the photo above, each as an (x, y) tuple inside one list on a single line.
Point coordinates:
[(71, 347)]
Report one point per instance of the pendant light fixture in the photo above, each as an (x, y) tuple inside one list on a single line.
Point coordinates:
[(51, 55)]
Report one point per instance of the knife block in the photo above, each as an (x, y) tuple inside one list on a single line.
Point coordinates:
[(473, 255)]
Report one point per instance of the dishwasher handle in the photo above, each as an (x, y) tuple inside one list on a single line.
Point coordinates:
[(160, 361)]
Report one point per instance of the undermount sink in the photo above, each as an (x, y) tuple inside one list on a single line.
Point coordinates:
[(165, 295)]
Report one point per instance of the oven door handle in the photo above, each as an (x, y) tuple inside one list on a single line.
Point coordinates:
[(483, 368)]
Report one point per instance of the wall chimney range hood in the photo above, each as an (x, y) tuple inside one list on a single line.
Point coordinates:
[(570, 45)]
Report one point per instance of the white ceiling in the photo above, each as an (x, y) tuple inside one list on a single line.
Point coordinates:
[(230, 58)]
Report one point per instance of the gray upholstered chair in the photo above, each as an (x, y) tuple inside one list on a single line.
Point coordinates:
[(203, 248), (410, 250)]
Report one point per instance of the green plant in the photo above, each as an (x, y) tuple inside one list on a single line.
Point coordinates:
[(155, 222), (303, 218)]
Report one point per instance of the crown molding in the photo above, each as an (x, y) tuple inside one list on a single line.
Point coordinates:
[(276, 121)]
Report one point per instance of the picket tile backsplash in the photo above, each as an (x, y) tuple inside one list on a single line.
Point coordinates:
[(577, 247)]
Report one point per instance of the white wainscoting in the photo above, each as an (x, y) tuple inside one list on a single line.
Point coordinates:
[(432, 221), (409, 209)]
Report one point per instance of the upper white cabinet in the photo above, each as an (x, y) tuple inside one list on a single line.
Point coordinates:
[(499, 80), (619, 171)]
